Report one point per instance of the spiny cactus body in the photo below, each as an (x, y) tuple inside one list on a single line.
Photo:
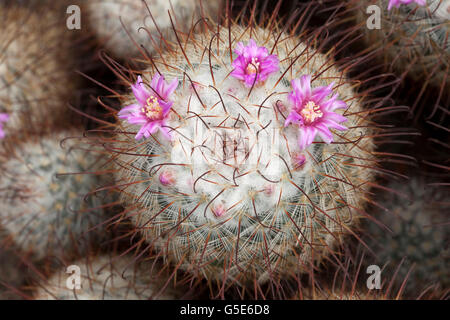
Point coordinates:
[(419, 235), (149, 28), (42, 190), (106, 278), (223, 184)]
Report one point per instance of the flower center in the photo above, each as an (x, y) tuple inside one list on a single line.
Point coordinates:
[(152, 109), (253, 67), (311, 112)]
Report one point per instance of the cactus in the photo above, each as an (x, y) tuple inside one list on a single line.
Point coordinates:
[(35, 60), (414, 38), (12, 273), (106, 278), (331, 295), (350, 281), (204, 193), (42, 190), (104, 18), (357, 276), (419, 236)]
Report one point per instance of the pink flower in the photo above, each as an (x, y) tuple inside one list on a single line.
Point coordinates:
[(397, 3), (152, 107), (298, 160), (313, 112), (269, 189), (3, 118), (167, 178), (253, 61), (219, 210)]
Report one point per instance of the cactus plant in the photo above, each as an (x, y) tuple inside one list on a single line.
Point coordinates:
[(358, 276), (331, 295), (225, 158), (35, 64), (414, 37), (148, 22), (106, 278), (42, 191), (417, 248), (12, 273)]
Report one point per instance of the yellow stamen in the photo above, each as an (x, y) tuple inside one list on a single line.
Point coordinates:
[(311, 112), (253, 67), (153, 110)]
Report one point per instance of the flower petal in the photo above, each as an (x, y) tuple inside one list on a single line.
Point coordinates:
[(307, 135), (334, 125), (139, 91), (325, 133), (170, 89), (128, 109), (4, 117), (319, 93), (166, 133), (302, 87), (334, 117), (293, 117)]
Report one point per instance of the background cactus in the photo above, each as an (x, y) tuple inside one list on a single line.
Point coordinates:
[(12, 273), (420, 236), (104, 20), (107, 278), (35, 66), (242, 220), (347, 295), (414, 38), (44, 200)]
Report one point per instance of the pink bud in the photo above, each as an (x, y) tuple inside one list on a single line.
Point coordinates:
[(298, 160), (269, 189), (219, 210), (281, 106), (167, 178), (195, 86)]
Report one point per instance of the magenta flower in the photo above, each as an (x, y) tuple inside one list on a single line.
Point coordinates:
[(253, 62), (397, 3), (219, 210), (313, 112), (152, 108), (298, 160), (167, 178), (3, 118)]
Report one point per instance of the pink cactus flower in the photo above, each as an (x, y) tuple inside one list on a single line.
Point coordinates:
[(253, 62), (152, 108), (219, 210), (298, 161), (313, 112), (167, 178), (269, 189), (3, 118), (397, 3)]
